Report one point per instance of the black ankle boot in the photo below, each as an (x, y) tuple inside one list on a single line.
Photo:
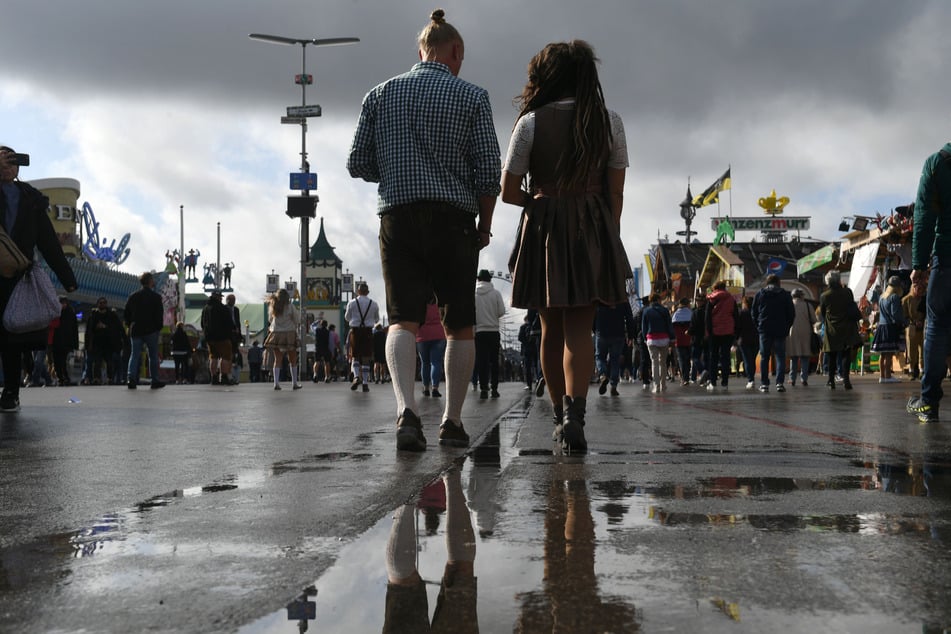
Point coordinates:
[(573, 440)]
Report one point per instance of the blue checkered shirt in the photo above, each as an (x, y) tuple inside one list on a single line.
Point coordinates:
[(427, 135)]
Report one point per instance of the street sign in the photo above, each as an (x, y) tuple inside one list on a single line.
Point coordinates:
[(297, 120), (300, 180), (303, 80), (303, 111)]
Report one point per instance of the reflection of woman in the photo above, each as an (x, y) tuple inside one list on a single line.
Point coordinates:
[(570, 600), (568, 256), (282, 337), (838, 309), (431, 347), (23, 214), (407, 609)]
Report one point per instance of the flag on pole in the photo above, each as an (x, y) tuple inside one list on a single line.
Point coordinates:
[(711, 194)]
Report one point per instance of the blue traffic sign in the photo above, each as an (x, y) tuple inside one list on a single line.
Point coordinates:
[(305, 181)]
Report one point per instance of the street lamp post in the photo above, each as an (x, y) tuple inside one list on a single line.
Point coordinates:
[(304, 206)]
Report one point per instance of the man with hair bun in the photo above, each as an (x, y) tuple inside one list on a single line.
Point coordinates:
[(428, 138)]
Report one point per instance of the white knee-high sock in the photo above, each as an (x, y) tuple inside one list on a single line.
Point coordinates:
[(355, 368), (460, 359), (294, 374), (401, 359), (401, 546)]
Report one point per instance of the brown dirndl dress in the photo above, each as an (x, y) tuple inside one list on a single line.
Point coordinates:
[(568, 249)]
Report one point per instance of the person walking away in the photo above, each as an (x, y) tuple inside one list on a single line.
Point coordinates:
[(437, 193), (181, 352), (699, 346), (799, 346), (658, 333), (747, 340), (931, 251), (255, 361), (889, 337), (24, 218), (490, 308), (914, 310), (773, 313), (65, 340), (528, 352), (322, 356), (143, 317), (216, 325), (613, 325), (103, 340), (840, 318), (431, 347), (721, 316), (362, 312), (380, 374), (283, 338), (568, 258), (680, 321)]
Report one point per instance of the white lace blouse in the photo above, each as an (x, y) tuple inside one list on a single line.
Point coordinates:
[(523, 136)]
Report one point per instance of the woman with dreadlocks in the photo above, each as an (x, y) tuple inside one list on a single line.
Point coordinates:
[(565, 167)]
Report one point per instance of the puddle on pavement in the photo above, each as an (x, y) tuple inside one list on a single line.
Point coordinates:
[(453, 559), (474, 552)]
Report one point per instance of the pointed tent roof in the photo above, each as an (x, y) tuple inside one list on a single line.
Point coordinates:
[(321, 253)]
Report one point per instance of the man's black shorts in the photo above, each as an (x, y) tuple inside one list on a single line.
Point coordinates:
[(426, 248)]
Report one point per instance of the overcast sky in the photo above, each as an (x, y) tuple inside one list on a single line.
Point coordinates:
[(156, 105)]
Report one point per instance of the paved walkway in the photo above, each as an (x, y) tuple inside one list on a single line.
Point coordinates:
[(208, 509)]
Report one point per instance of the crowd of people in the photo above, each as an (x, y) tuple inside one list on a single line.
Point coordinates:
[(565, 170)]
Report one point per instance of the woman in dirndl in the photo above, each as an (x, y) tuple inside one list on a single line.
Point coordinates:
[(282, 336), (565, 167), (889, 337)]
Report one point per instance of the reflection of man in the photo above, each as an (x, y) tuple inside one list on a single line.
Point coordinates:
[(437, 165), (407, 609)]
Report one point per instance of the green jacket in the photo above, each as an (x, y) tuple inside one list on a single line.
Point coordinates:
[(932, 235)]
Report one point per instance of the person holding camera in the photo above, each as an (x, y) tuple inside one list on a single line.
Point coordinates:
[(24, 218)]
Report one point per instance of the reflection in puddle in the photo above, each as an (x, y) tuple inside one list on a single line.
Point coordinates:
[(478, 552)]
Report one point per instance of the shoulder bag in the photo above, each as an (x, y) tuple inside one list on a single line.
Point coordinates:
[(33, 303), (12, 260)]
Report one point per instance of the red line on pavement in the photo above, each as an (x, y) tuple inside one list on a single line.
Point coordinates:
[(804, 430)]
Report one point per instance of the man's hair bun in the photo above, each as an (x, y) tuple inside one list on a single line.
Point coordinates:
[(438, 16)]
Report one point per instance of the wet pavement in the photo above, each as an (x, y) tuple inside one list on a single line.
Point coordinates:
[(200, 509)]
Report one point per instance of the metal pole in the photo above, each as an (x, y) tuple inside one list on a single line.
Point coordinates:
[(181, 264), (304, 221), (218, 262)]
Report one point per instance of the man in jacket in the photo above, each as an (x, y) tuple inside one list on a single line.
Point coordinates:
[(931, 247), (216, 324), (490, 308), (103, 341), (773, 313), (143, 317), (613, 325)]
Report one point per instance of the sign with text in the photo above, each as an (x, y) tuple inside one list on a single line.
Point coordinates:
[(303, 111), (771, 223), (301, 180)]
